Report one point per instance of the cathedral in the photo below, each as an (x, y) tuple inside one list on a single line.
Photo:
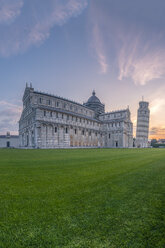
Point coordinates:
[(49, 121)]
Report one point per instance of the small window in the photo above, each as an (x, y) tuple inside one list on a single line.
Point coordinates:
[(62, 116), (44, 113), (57, 104), (75, 131), (66, 130), (55, 130), (109, 135), (40, 100), (67, 117), (50, 114), (56, 115), (83, 132)]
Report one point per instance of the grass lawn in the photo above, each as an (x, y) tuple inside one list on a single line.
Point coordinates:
[(84, 198)]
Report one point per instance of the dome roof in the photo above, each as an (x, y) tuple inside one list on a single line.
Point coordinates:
[(93, 98)]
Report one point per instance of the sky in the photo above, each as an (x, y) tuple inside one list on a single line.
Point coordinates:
[(70, 47)]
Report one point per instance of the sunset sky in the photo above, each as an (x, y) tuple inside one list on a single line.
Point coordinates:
[(70, 47)]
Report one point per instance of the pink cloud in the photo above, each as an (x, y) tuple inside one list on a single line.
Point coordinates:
[(140, 63), (157, 132), (98, 45)]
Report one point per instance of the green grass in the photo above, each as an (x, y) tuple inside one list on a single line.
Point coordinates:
[(82, 198)]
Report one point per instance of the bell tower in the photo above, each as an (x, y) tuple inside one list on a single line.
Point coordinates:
[(142, 129)]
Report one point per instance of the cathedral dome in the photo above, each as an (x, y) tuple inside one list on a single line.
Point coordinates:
[(95, 104), (93, 98)]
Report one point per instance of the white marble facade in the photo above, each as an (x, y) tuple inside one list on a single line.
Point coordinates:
[(48, 121), (142, 129)]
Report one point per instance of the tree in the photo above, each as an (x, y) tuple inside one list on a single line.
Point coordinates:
[(153, 142)]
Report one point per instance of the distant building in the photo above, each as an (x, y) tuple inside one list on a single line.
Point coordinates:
[(48, 121), (142, 130), (161, 141), (9, 141)]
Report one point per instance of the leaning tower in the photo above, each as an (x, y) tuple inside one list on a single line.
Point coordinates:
[(142, 129)]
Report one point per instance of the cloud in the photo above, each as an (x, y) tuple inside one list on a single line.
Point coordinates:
[(139, 61), (9, 10), (157, 105), (98, 45), (129, 38), (157, 132), (9, 117), (33, 25)]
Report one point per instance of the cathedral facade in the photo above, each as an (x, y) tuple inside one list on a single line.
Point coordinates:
[(48, 121)]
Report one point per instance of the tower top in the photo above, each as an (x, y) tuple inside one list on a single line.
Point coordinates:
[(143, 104), (93, 93), (29, 86)]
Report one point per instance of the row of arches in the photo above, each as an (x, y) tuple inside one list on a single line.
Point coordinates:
[(52, 136)]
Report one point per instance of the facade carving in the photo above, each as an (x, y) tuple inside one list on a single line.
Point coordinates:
[(48, 121)]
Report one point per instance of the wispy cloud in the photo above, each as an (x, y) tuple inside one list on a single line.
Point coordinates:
[(157, 132), (33, 26), (98, 45), (9, 10), (9, 117), (127, 43), (140, 62)]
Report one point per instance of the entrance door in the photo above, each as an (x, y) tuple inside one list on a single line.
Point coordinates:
[(8, 144), (116, 143)]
